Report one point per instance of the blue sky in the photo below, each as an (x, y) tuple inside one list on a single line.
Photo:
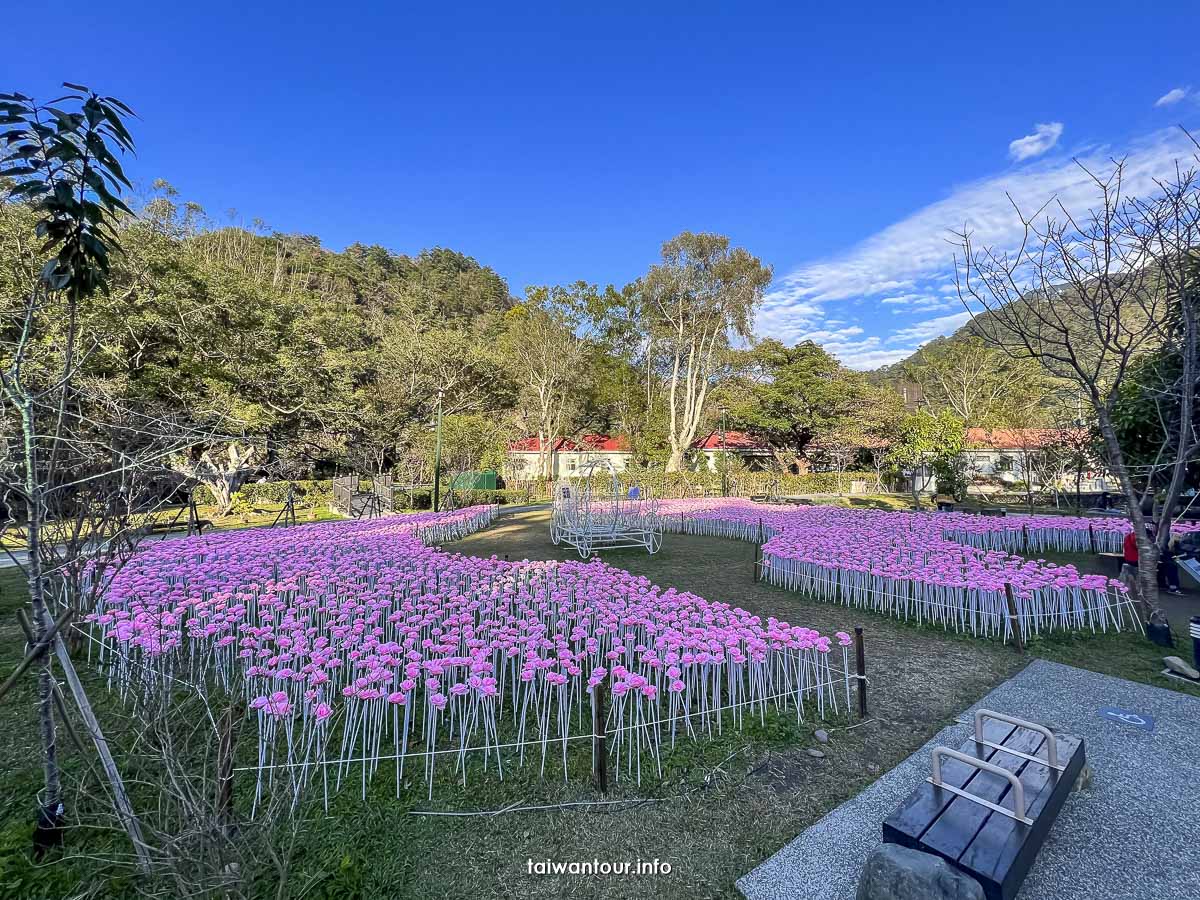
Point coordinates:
[(565, 141)]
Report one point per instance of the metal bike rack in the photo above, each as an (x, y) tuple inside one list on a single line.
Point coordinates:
[(1051, 746), (1018, 791)]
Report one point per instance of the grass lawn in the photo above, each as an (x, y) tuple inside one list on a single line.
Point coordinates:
[(721, 807)]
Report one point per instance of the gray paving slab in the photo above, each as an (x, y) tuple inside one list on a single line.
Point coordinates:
[(1133, 833)]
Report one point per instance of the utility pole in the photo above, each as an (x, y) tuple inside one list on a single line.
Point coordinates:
[(437, 457), (724, 458)]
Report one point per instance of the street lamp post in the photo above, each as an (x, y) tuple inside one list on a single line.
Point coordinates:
[(437, 456), (724, 458)]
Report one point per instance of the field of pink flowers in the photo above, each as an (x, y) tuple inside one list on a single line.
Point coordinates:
[(360, 649), (954, 569)]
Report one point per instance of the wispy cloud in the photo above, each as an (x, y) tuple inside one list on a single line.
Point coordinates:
[(1045, 136), (920, 248), (869, 353), (830, 335), (1172, 96), (923, 302), (906, 268), (930, 328)]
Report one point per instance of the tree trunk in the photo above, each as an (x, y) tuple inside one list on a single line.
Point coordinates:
[(1147, 551), (222, 473), (1147, 574), (52, 793), (675, 460), (222, 489)]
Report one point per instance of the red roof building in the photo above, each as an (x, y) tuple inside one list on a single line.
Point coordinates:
[(734, 441), (565, 455), (1015, 439)]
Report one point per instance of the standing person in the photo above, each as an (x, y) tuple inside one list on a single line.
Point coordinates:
[(1168, 569), (1129, 550)]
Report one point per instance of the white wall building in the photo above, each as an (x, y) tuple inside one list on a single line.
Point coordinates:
[(1008, 455), (567, 456)]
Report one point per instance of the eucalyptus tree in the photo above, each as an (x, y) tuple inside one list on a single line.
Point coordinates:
[(701, 297)]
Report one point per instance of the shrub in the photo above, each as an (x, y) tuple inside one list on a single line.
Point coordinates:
[(422, 497), (308, 493)]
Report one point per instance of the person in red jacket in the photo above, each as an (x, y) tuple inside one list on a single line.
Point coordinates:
[(1129, 550)]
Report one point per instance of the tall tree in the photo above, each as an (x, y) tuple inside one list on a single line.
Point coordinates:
[(546, 358), (60, 160), (703, 294)]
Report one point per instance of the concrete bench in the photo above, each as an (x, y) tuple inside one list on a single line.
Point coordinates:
[(988, 806)]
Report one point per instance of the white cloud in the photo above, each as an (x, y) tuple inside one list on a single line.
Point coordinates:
[(919, 302), (1172, 96), (921, 247), (867, 354), (1045, 136), (907, 267), (826, 335), (930, 328), (873, 359)]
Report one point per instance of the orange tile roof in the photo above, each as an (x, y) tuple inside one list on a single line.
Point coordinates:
[(1014, 438)]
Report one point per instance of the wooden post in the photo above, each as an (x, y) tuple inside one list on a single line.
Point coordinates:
[(120, 798), (225, 769), (860, 666), (1025, 538), (600, 734), (1018, 637), (1091, 538)]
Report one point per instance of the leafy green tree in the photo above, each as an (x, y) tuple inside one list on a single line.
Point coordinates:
[(469, 442), (59, 160), (930, 442), (789, 397)]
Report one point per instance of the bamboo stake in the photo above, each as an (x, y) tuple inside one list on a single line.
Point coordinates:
[(124, 808), (860, 666), (59, 703)]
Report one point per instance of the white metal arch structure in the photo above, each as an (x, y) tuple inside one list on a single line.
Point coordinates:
[(593, 512)]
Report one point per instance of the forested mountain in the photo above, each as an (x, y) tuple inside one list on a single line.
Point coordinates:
[(313, 358), (265, 351)]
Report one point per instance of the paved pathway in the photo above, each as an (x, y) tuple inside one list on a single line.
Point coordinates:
[(1131, 834)]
